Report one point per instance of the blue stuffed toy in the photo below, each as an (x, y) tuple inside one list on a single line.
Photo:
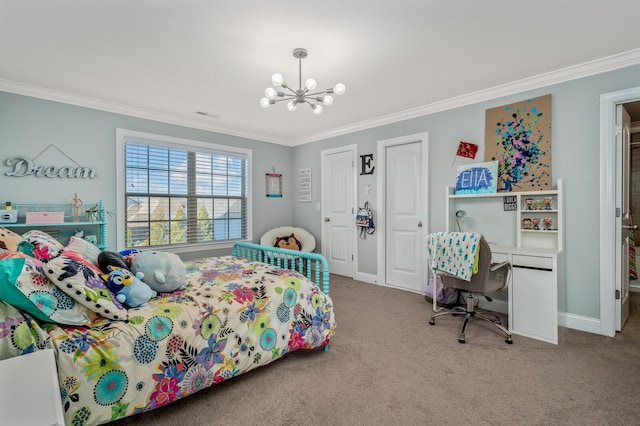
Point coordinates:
[(129, 289), (164, 272)]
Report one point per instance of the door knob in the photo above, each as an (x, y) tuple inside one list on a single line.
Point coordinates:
[(326, 219), (419, 224)]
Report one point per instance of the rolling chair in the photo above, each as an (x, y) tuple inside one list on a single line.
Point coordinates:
[(489, 277)]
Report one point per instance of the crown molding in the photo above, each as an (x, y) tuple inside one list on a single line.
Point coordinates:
[(598, 66), (586, 69), (114, 107)]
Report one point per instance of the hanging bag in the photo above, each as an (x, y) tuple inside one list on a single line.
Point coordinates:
[(364, 220)]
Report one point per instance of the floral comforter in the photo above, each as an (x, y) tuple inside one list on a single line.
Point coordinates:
[(234, 315)]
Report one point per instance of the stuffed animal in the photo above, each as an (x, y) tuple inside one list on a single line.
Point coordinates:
[(290, 243), (163, 271), (111, 258), (129, 254), (129, 289)]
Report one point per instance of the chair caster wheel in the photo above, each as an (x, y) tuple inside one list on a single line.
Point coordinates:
[(461, 340), (432, 322), (509, 341)]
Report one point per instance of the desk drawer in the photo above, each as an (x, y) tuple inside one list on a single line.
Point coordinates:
[(537, 262)]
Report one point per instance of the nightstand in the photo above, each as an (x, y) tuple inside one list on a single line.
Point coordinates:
[(29, 390)]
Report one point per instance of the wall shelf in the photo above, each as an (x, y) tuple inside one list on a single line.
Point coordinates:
[(485, 214), (64, 231)]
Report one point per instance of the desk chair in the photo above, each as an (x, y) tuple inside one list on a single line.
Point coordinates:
[(490, 277)]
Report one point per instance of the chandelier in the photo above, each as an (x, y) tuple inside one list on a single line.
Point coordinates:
[(304, 95)]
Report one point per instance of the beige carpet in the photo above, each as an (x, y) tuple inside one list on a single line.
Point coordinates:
[(388, 366)]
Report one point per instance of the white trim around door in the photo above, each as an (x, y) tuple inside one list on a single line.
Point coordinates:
[(353, 151), (608, 278), (380, 183)]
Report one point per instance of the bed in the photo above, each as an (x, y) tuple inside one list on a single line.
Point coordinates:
[(237, 313)]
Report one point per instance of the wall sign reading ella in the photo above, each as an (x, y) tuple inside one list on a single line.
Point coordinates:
[(478, 178)]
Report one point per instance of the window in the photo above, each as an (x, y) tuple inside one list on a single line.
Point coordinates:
[(181, 193)]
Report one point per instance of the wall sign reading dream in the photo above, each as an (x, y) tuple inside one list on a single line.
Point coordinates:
[(481, 178)]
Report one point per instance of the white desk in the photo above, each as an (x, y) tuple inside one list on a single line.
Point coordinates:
[(29, 390), (533, 291)]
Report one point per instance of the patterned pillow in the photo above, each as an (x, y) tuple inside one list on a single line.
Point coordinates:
[(43, 245), (81, 280), (23, 285), (8, 239), (84, 248)]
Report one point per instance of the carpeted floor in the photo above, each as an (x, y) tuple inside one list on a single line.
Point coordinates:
[(387, 366)]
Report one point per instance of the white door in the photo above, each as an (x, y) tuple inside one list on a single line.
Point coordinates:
[(404, 204), (338, 227), (623, 157)]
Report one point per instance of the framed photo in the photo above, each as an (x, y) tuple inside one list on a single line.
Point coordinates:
[(274, 185)]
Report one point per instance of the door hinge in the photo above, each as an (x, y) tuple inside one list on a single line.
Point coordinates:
[(618, 130), (617, 294), (352, 258)]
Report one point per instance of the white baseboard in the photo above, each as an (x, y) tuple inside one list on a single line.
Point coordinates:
[(579, 322), (634, 287), (367, 278), (576, 322)]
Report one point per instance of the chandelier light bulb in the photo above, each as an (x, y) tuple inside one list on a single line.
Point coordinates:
[(339, 89), (277, 79), (328, 100), (317, 109), (264, 103), (310, 84), (270, 93), (292, 106)]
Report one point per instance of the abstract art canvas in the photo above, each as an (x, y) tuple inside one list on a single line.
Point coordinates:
[(518, 137)]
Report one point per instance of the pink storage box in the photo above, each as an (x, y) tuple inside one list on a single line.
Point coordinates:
[(44, 217)]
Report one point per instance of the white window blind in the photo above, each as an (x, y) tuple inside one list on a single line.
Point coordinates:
[(183, 195)]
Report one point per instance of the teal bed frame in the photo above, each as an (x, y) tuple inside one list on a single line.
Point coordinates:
[(301, 261)]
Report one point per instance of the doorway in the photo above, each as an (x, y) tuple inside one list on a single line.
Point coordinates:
[(338, 190), (611, 274), (402, 219), (633, 109)]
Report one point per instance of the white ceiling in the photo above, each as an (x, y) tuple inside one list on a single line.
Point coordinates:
[(167, 60)]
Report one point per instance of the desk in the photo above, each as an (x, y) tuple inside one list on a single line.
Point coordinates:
[(533, 291), (30, 381)]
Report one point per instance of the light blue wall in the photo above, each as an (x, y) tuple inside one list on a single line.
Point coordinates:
[(29, 125), (575, 159)]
